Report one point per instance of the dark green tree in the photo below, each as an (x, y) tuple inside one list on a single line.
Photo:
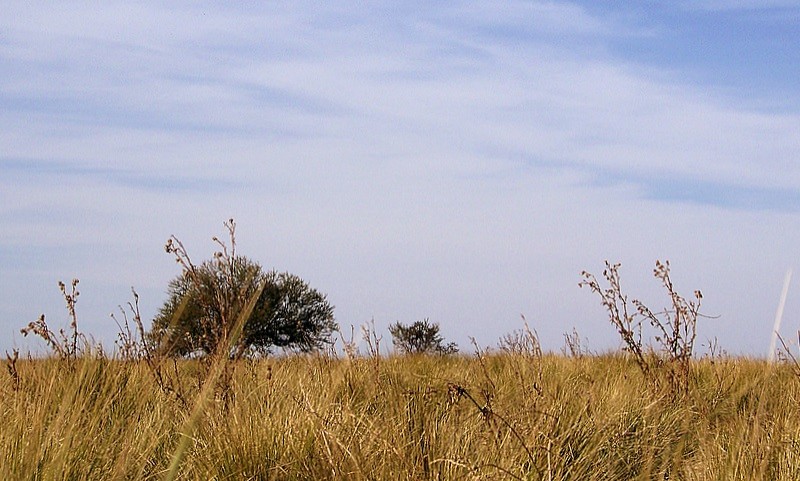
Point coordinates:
[(231, 304), (421, 337)]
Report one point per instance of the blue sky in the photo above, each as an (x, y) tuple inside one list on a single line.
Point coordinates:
[(460, 161)]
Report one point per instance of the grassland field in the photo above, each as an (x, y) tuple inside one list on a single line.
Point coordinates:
[(319, 417)]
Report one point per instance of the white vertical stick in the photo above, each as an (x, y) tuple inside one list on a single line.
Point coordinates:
[(778, 316)]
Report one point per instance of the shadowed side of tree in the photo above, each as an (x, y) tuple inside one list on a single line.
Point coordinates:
[(291, 314)]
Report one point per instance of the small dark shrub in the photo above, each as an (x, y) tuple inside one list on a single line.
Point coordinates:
[(420, 337)]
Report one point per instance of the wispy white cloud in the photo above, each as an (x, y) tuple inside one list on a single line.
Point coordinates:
[(542, 100), (461, 162)]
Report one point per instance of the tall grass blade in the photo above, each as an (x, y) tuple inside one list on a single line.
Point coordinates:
[(222, 358)]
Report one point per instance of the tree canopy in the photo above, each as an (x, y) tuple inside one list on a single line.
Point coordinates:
[(232, 300)]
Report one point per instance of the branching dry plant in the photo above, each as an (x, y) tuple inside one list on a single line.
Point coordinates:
[(66, 345), (226, 296), (134, 346), (574, 346), (524, 342), (675, 326)]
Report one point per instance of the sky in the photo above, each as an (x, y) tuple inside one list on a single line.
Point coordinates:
[(462, 162)]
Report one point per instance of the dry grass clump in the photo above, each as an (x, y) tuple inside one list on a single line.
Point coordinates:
[(491, 416)]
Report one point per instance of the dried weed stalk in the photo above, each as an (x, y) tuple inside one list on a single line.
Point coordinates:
[(65, 344), (226, 297), (525, 345), (11, 365), (574, 346), (787, 355), (134, 346), (495, 421), (675, 326), (349, 346)]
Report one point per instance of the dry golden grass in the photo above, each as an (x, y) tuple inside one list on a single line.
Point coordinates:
[(403, 418)]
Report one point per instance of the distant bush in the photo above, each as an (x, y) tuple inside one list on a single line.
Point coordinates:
[(420, 337)]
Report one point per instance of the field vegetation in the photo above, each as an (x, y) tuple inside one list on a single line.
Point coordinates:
[(202, 395), (501, 415)]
